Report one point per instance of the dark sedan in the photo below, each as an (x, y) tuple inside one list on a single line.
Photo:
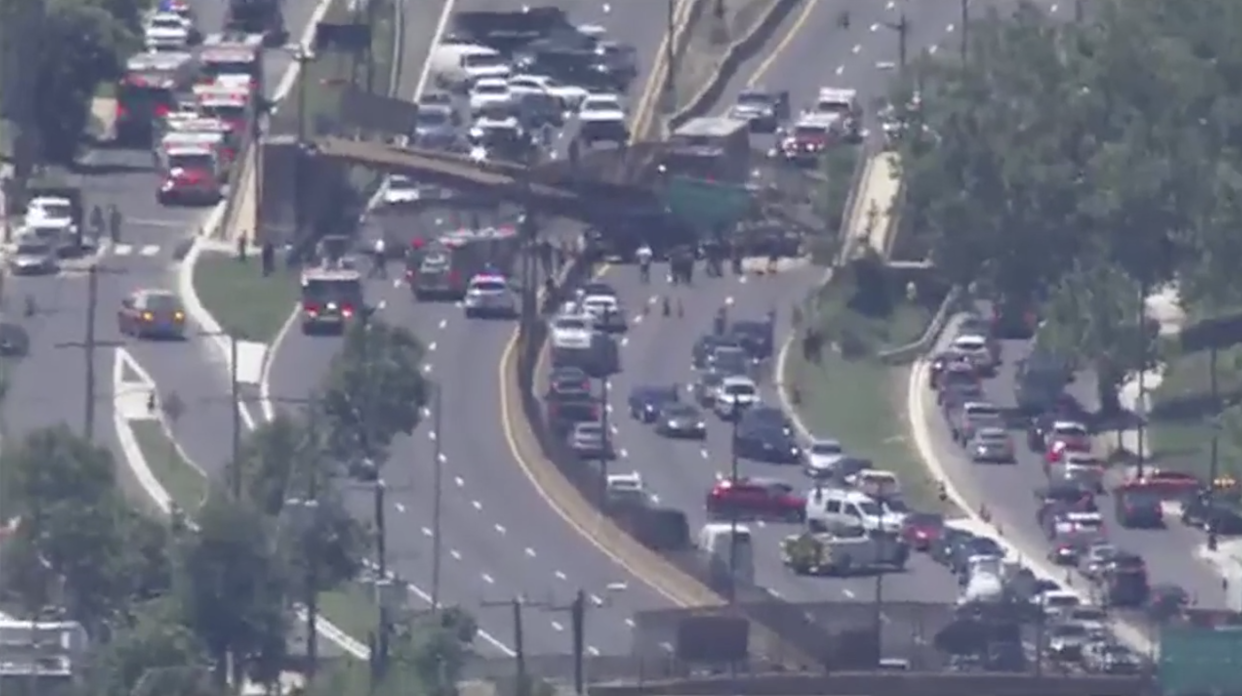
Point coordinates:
[(646, 402), (766, 443), (755, 336), (683, 421)]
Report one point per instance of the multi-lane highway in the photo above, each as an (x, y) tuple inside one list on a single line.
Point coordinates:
[(498, 537), (1008, 492), (814, 51)]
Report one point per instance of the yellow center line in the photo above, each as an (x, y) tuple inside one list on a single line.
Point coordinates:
[(781, 47), (645, 109)]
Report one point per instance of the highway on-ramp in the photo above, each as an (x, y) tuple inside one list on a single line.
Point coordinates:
[(498, 537), (1008, 492)]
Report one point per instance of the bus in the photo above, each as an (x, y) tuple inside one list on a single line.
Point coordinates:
[(715, 148)]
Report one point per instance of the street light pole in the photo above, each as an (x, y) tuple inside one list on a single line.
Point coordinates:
[(89, 344), (235, 393), (606, 440), (1214, 470), (670, 60), (735, 414), (965, 29), (437, 494)]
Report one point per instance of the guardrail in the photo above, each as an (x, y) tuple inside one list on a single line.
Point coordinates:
[(785, 634), (738, 52), (954, 300)]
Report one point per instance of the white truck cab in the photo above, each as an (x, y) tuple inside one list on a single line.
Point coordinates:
[(720, 540)]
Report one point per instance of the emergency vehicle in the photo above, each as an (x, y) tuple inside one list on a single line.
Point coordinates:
[(225, 102), (489, 295), (811, 135), (231, 59), (191, 175), (148, 91), (331, 296), (843, 550), (207, 131), (442, 269), (842, 104)]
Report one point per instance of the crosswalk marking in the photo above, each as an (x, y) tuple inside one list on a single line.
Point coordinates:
[(130, 250)]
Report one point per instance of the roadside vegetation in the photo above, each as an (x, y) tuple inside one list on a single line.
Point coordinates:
[(236, 292), (842, 388), (169, 604)]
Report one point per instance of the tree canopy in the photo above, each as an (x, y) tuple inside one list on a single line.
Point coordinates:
[(1079, 166), (73, 48), (174, 606)]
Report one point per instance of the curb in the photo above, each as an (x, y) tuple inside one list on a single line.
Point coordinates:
[(917, 422)]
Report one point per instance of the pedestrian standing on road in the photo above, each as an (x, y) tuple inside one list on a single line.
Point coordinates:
[(379, 261), (644, 262), (267, 256), (241, 247), (114, 223)]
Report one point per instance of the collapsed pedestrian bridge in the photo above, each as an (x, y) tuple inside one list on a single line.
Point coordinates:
[(595, 186)]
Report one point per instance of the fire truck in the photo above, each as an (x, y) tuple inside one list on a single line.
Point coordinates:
[(442, 269), (148, 92), (223, 102), (231, 60), (206, 132), (191, 175)]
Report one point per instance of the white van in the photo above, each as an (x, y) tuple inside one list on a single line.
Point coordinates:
[(828, 507), (714, 540), (457, 66)]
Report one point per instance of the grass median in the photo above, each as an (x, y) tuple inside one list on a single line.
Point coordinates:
[(241, 298), (349, 608), (844, 391), (236, 292), (185, 483)]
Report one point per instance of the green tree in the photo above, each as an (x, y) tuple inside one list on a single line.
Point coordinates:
[(50, 466), (156, 639), (81, 45), (374, 391), (232, 586), (273, 458)]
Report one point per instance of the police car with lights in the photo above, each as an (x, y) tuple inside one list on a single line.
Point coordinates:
[(165, 31), (489, 295)]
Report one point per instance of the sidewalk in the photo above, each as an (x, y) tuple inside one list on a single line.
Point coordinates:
[(869, 222)]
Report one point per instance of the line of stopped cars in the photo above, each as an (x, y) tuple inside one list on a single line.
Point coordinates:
[(1059, 431), (507, 81)]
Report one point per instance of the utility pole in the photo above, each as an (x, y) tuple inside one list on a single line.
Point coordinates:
[(879, 614), (89, 344), (965, 29), (735, 415), (437, 494), (1141, 404), (670, 60), (381, 572), (522, 687), (312, 569), (235, 405), (1079, 10), (1214, 468), (606, 441)]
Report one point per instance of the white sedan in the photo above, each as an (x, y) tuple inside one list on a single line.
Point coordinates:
[(400, 189), (822, 457)]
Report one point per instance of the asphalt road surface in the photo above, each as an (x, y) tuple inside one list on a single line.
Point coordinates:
[(50, 386), (1009, 493), (498, 537), (658, 349)]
